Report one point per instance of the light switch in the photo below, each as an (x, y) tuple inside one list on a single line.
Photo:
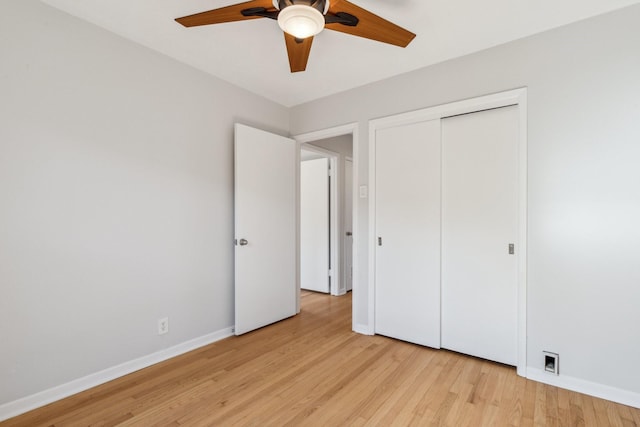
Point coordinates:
[(364, 192)]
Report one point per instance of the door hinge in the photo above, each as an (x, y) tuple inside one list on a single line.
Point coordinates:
[(379, 241)]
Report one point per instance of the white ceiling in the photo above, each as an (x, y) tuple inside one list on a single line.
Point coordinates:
[(252, 54)]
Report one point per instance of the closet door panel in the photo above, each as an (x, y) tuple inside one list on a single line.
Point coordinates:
[(407, 244), (479, 222)]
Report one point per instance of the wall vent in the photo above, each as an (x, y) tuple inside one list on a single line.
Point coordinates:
[(551, 362)]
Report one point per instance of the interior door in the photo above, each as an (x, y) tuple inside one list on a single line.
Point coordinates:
[(314, 225), (479, 223), (348, 224), (407, 215), (265, 228)]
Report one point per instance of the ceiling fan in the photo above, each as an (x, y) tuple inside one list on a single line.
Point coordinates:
[(302, 19)]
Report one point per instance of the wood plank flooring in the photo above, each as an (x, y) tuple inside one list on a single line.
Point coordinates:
[(311, 370)]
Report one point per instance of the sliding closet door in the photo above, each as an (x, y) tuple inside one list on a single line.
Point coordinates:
[(479, 225), (407, 215)]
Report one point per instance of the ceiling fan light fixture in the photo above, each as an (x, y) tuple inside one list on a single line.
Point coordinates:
[(301, 21)]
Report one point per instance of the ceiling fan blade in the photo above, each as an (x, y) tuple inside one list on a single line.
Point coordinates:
[(224, 14), (298, 51), (370, 26)]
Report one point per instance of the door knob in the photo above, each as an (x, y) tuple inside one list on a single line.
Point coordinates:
[(349, 233), (243, 242)]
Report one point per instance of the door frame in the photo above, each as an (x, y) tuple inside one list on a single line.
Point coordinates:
[(353, 130), (335, 223), (503, 99), (344, 217)]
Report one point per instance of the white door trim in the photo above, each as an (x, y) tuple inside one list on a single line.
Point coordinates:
[(337, 285), (512, 97), (347, 272), (353, 130)]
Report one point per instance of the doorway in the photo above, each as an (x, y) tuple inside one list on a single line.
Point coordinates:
[(360, 294), (334, 154)]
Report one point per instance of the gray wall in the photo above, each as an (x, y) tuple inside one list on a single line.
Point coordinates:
[(584, 197), (116, 168)]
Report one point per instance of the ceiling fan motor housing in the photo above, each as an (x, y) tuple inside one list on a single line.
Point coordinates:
[(320, 5)]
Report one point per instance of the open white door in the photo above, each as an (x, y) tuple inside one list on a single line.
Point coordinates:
[(265, 228), (314, 225)]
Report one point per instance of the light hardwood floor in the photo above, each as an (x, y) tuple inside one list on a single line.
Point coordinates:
[(311, 370)]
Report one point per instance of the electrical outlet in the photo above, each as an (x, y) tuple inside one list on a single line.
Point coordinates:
[(163, 326)]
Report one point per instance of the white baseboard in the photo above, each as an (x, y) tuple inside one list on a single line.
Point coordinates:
[(25, 404), (613, 394)]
